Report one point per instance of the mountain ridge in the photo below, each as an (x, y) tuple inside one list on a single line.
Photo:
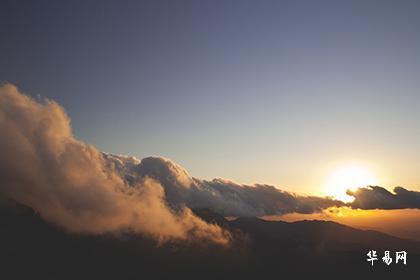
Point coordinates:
[(34, 249)]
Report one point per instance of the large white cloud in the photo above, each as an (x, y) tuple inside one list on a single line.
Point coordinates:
[(223, 196), (72, 184)]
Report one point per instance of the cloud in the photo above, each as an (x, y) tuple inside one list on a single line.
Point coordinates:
[(81, 189), (258, 200), (73, 185), (223, 196), (374, 197)]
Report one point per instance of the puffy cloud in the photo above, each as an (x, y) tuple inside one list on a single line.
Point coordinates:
[(233, 199), (223, 196), (374, 197), (73, 185)]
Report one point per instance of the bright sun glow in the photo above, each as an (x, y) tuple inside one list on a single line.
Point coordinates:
[(349, 177)]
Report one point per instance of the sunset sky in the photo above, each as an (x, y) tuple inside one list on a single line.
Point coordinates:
[(278, 92)]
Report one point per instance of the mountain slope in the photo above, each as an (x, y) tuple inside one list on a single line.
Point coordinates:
[(33, 249)]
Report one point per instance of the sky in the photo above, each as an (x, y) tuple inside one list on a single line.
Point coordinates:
[(277, 92)]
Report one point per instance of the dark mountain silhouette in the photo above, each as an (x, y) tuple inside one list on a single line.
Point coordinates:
[(33, 249)]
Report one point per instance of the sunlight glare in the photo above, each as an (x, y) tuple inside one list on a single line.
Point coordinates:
[(349, 178)]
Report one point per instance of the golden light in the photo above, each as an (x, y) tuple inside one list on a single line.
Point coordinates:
[(348, 178)]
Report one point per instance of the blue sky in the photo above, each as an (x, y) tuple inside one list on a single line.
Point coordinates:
[(256, 91)]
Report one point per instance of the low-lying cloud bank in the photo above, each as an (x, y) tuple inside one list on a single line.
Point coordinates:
[(77, 187), (223, 196), (374, 197), (71, 184)]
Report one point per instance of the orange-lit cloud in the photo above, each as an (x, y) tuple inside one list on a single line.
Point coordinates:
[(223, 196), (79, 188), (70, 183)]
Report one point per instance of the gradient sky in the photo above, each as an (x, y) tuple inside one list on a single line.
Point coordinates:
[(275, 92)]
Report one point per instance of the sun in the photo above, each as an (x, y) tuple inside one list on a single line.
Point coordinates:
[(346, 178)]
